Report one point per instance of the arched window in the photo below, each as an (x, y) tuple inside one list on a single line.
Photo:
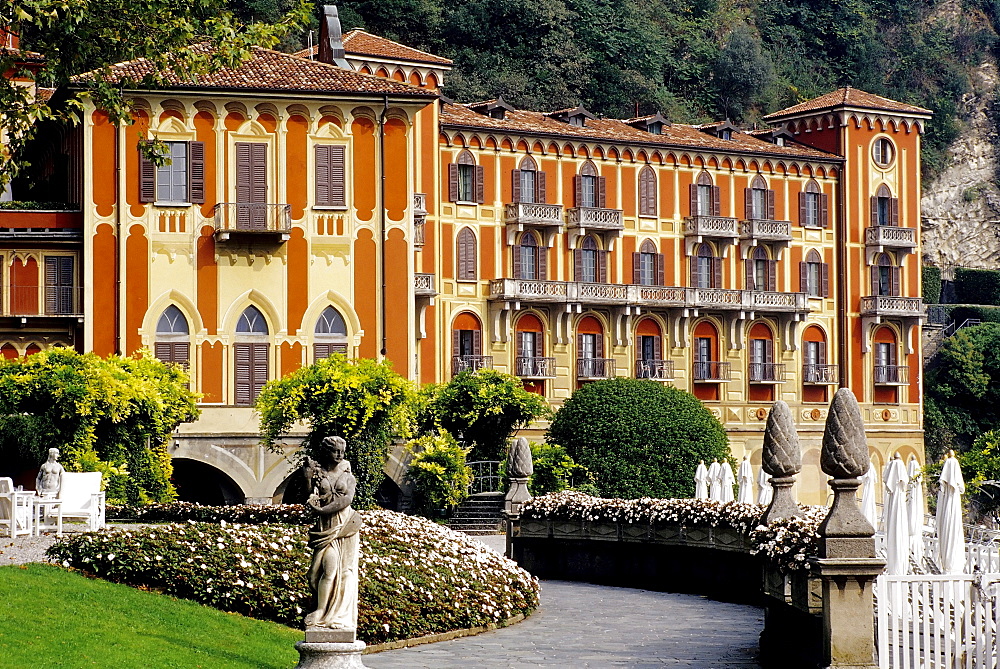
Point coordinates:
[(528, 182), (816, 369), (649, 363), (251, 353), (173, 337), (814, 276), (885, 276), (887, 371), (529, 259), (465, 180), (647, 266), (531, 362), (759, 200), (707, 366), (705, 200), (813, 207), (763, 369), (706, 269), (885, 207), (590, 262), (467, 344), (330, 335), (590, 188), (647, 191), (761, 270), (590, 361), (467, 261)]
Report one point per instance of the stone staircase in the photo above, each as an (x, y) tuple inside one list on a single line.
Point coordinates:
[(479, 514)]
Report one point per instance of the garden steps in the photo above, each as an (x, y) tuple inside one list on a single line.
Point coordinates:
[(479, 514)]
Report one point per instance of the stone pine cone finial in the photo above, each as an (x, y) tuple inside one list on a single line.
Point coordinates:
[(519, 465), (782, 455), (845, 449)]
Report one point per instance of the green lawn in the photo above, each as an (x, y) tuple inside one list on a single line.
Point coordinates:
[(55, 618)]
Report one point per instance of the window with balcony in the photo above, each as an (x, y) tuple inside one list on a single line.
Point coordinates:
[(528, 182), (647, 266), (466, 255), (531, 363), (172, 343), (529, 259), (590, 262), (761, 270), (330, 335), (706, 268), (759, 200), (465, 180), (467, 345), (817, 373), (180, 181), (814, 276), (885, 207), (705, 198), (813, 207), (885, 276), (647, 191), (251, 353), (590, 188)]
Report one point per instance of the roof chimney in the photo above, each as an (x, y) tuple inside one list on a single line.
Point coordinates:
[(331, 40)]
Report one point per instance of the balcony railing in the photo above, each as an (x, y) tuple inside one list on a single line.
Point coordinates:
[(662, 370), (766, 372), (820, 374), (720, 298), (765, 230), (34, 300), (890, 236), (470, 363), (892, 375), (890, 305), (595, 368), (419, 204), (423, 284), (711, 226), (711, 370), (534, 367), (243, 218), (662, 296), (593, 218), (763, 300), (418, 232), (533, 214)]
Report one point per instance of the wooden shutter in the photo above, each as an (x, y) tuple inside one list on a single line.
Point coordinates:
[(540, 187), (578, 265), (51, 286), (260, 371), (717, 272), (480, 188), (803, 216), (821, 353), (321, 351), (579, 345), (177, 352), (599, 346), (772, 275), (693, 267), (456, 343), (515, 184), (602, 267), (453, 182), (322, 152), (636, 268), (520, 346), (660, 263), (477, 342), (693, 199), (259, 176), (749, 265), (894, 274), (196, 172), (824, 210), (657, 348), (803, 277), (147, 177), (543, 262), (578, 190), (243, 168), (874, 279), (716, 201), (770, 205), (163, 351), (517, 261), (824, 271), (874, 212), (539, 345), (894, 211), (748, 203), (769, 351), (602, 194), (242, 353), (338, 187)]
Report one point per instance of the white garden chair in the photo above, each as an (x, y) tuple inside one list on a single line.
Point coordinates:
[(82, 497), (15, 508)]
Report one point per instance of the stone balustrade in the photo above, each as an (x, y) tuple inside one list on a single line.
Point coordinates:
[(533, 214), (595, 218), (890, 236), (711, 226), (766, 230), (891, 305)]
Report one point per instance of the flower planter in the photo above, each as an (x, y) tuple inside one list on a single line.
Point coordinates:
[(603, 530)]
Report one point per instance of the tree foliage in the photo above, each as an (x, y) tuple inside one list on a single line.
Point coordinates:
[(112, 415), (638, 438), (361, 400), (483, 408), (440, 477)]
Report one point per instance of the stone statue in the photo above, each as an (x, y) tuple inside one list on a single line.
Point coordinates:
[(519, 469), (333, 574), (782, 459), (48, 483)]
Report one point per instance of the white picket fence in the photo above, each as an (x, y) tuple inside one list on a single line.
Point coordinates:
[(947, 621)]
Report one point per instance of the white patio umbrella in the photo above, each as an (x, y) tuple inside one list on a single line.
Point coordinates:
[(764, 490), (714, 489), (951, 537), (745, 479), (701, 481), (915, 508), (868, 495), (726, 481), (894, 519)]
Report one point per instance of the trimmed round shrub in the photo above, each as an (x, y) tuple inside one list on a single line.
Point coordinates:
[(638, 438), (416, 577), (440, 477)]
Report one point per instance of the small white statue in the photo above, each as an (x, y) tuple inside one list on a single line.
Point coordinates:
[(48, 483)]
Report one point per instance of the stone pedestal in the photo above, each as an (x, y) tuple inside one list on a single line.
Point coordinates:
[(848, 623), (330, 655)]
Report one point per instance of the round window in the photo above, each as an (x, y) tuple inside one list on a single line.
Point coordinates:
[(883, 151)]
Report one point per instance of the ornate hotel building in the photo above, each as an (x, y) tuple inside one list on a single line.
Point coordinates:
[(334, 201)]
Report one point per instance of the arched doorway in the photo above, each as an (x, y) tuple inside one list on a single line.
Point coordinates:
[(201, 483), (531, 364)]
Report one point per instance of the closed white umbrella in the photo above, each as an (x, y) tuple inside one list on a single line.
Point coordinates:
[(915, 509), (726, 481), (868, 495), (894, 518), (745, 479), (714, 489), (764, 490), (701, 481), (951, 537)]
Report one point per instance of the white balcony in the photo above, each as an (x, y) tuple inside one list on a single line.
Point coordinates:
[(594, 218), (892, 305), (660, 370), (821, 375), (766, 231), (892, 375)]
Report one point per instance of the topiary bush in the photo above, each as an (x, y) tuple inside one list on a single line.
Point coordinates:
[(638, 438), (438, 472), (977, 286), (931, 283)]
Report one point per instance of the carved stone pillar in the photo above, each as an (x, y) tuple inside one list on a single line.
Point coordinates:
[(782, 459), (519, 469), (847, 562)]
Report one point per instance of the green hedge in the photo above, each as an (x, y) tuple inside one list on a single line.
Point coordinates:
[(931, 280), (977, 286), (962, 312)]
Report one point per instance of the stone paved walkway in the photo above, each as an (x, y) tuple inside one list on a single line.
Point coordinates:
[(583, 625)]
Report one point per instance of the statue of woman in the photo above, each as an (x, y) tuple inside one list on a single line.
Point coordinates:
[(48, 483), (333, 574)]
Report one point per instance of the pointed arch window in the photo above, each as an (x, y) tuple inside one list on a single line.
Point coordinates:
[(251, 353), (885, 207), (705, 197), (330, 335), (647, 266), (813, 207), (885, 276), (647, 191), (530, 259), (528, 182), (467, 261), (590, 262), (761, 270), (759, 200), (706, 268), (173, 338), (465, 180)]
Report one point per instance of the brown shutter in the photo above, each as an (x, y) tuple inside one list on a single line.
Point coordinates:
[(540, 187), (821, 354), (196, 172), (182, 354), (260, 370), (770, 205), (515, 184), (539, 345), (52, 285), (543, 262), (520, 346), (599, 345), (259, 178), (894, 211), (241, 353), (147, 178), (243, 168), (657, 348), (748, 265), (602, 267), (477, 342), (895, 274), (874, 203), (456, 342), (803, 277), (717, 272), (338, 186), (162, 351), (824, 270), (772, 273), (322, 152), (693, 270), (453, 182), (636, 270), (480, 197), (578, 265), (769, 351), (660, 270), (716, 201), (874, 279), (578, 190), (693, 199), (602, 194), (824, 210), (748, 203), (321, 351), (516, 252), (802, 209), (579, 345)]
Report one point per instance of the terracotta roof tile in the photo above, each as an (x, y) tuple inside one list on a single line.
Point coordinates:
[(267, 70), (676, 135), (361, 43), (850, 97), (21, 55)]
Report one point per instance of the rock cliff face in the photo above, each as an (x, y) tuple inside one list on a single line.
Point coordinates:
[(961, 207)]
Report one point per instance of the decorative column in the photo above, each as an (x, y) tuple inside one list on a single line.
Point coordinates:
[(847, 562), (782, 459), (519, 470)]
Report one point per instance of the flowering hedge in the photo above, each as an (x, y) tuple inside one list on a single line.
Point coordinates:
[(786, 543), (179, 512), (417, 577)]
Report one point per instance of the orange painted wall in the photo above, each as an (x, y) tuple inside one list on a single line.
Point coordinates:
[(365, 294), (208, 280), (447, 251), (298, 279), (24, 286), (104, 261), (133, 133), (291, 357), (630, 190), (204, 124), (507, 165), (137, 296), (396, 169), (296, 148), (397, 300), (364, 168), (487, 246), (211, 372), (103, 160)]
